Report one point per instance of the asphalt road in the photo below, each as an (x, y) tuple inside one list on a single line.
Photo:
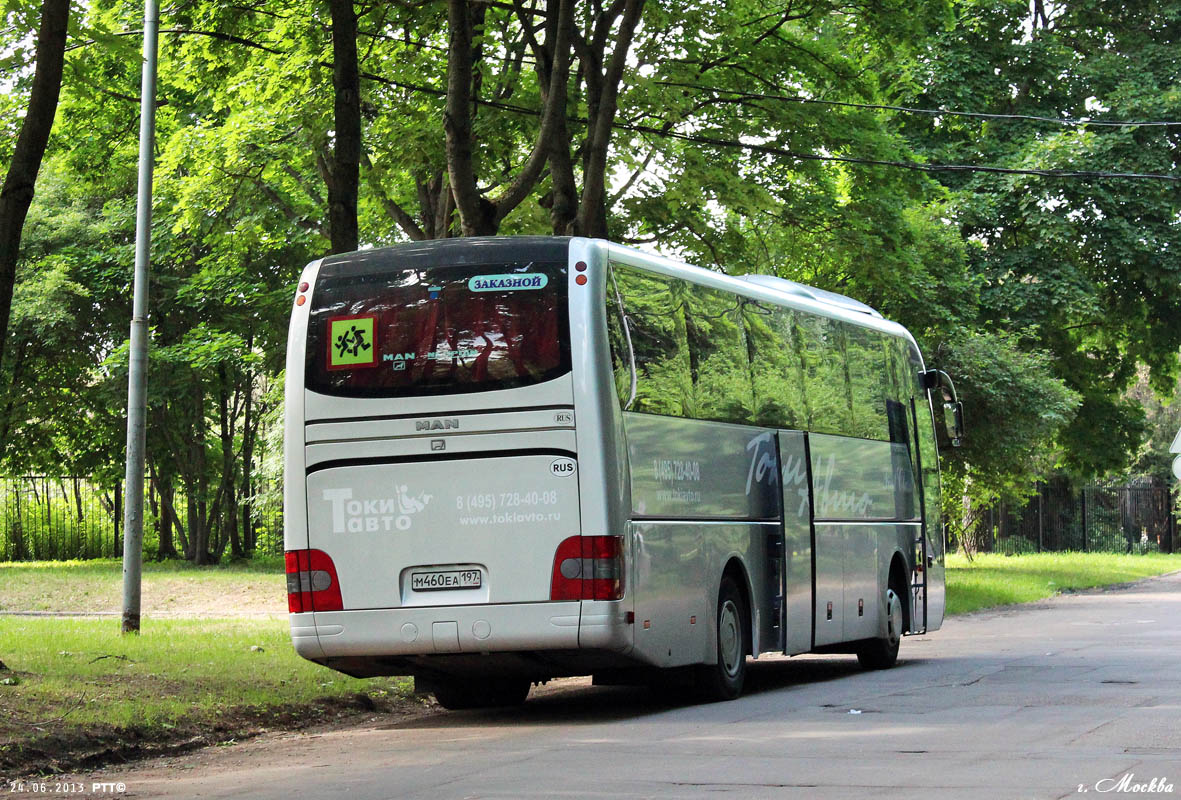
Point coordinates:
[(1047, 701)]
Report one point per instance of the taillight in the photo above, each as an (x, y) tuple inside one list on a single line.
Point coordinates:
[(588, 568), (311, 582)]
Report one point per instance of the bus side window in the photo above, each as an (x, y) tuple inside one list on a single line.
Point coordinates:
[(824, 373), (867, 376), (656, 323), (618, 338), (777, 383), (901, 456), (718, 356)]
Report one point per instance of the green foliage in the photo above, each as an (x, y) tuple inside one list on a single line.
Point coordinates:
[(1087, 271), (1015, 406), (1163, 421)]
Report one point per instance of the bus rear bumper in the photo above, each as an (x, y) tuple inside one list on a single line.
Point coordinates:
[(447, 630)]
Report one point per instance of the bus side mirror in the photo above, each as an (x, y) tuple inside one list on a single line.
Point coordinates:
[(953, 420), (953, 409)]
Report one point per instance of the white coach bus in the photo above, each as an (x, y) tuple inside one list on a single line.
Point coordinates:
[(512, 459)]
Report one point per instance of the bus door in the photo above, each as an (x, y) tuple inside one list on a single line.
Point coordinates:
[(796, 551)]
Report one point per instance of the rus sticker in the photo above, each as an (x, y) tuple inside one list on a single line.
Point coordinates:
[(498, 283)]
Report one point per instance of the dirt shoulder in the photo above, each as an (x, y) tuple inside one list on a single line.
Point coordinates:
[(169, 590), (58, 749)]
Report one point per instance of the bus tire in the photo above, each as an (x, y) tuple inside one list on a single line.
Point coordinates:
[(882, 653), (456, 695), (724, 680)]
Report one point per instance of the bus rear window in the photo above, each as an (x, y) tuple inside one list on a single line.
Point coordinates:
[(442, 330)]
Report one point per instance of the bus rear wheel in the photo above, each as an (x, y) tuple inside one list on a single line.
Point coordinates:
[(724, 680), (882, 653), (456, 694)]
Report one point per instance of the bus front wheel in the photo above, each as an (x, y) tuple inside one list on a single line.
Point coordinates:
[(882, 653), (724, 680)]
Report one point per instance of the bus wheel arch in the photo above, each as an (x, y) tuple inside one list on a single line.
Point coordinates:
[(882, 652), (897, 577), (733, 637), (735, 570)]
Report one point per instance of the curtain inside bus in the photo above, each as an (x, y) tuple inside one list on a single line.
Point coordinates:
[(438, 331)]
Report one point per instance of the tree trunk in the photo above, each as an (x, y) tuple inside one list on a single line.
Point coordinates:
[(479, 216), (13, 391), (248, 433), (198, 485), (78, 498), (191, 522), (592, 215), (17, 193), (346, 152), (18, 530), (476, 213), (157, 521), (118, 515), (229, 478), (168, 506), (164, 517)]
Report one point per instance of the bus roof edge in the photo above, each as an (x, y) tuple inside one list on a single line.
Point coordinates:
[(811, 293)]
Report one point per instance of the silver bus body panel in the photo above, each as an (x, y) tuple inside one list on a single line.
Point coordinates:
[(321, 408), (603, 477), (603, 482), (304, 636), (703, 494), (678, 571), (295, 521), (459, 629), (434, 446), (685, 469), (383, 523), (442, 424)]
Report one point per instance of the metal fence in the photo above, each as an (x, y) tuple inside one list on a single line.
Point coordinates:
[(58, 518), (1110, 518), (51, 518), (48, 518)]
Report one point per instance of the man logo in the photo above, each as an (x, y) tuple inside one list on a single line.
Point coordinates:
[(436, 424)]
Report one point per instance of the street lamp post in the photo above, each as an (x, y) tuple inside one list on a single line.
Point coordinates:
[(137, 372)]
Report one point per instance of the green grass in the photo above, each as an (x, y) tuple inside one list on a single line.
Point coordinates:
[(995, 580), (174, 669)]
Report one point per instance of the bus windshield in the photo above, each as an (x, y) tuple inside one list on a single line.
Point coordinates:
[(442, 330)]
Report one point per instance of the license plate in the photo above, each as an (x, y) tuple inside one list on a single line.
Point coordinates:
[(445, 579)]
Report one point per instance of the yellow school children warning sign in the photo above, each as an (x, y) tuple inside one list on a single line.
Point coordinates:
[(352, 342)]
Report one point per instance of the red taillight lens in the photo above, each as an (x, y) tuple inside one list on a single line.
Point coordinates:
[(588, 568), (311, 582)]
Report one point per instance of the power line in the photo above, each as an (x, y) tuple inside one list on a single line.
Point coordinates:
[(910, 165), (785, 153), (935, 112)]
